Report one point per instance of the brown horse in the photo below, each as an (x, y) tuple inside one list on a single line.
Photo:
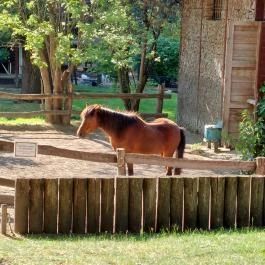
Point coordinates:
[(129, 131)]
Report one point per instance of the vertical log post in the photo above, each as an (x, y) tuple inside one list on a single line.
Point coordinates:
[(159, 107), (121, 161), (204, 202), (4, 219), (21, 205), (260, 162)]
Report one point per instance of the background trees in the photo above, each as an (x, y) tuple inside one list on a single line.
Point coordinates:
[(120, 36)]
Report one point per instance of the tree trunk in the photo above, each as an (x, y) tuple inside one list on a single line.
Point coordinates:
[(143, 76), (124, 82), (30, 76)]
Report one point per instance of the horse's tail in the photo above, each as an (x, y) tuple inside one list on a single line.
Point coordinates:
[(181, 148), (182, 143)]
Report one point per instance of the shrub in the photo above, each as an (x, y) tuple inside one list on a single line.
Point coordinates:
[(251, 142)]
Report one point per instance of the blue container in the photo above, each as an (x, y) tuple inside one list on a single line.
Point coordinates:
[(212, 133)]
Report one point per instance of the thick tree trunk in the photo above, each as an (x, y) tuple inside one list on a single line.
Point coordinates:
[(30, 76), (124, 82)]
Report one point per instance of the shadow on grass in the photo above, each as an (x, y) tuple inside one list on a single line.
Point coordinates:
[(143, 236)]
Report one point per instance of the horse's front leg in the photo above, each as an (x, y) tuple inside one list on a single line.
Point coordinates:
[(130, 169), (169, 169)]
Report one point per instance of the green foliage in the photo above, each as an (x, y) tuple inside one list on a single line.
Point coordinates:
[(251, 142), (167, 62)]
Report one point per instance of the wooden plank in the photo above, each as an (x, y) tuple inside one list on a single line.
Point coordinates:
[(243, 201), (6, 146), (65, 205), (93, 205), (50, 205), (176, 203), (246, 91), (239, 105), (21, 205), (230, 202), (36, 206), (3, 218), (243, 86), (12, 96), (107, 204), (204, 203), (190, 203), (257, 197), (7, 182), (245, 47), (243, 75), (74, 154), (241, 98), (217, 202), (246, 26), (163, 204), (79, 205), (149, 201), (189, 164), (135, 204), (7, 199), (227, 76), (122, 204), (239, 62)]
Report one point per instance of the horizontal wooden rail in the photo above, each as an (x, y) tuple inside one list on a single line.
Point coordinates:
[(63, 112), (7, 199), (7, 182), (4, 95), (74, 154), (137, 158), (189, 164)]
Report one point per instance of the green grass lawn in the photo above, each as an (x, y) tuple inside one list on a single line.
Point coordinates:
[(221, 247), (146, 106)]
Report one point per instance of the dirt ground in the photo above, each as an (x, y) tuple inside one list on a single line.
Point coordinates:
[(64, 137)]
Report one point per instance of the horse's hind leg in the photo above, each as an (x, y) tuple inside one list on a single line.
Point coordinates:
[(130, 169)]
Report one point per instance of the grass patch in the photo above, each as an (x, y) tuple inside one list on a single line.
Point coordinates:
[(220, 247)]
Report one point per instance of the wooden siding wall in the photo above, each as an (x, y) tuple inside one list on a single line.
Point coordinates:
[(241, 72), (96, 205)]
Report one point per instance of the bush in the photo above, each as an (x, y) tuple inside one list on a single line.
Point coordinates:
[(251, 142)]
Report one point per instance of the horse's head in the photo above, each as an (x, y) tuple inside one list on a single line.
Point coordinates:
[(89, 120)]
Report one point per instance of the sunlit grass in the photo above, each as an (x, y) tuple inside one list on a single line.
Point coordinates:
[(219, 247), (23, 121)]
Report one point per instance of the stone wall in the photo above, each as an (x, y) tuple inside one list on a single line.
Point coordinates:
[(202, 60)]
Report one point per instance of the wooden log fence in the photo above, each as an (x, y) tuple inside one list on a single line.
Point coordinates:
[(133, 204), (100, 157), (121, 204), (31, 97)]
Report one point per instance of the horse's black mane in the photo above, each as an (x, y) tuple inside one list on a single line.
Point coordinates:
[(117, 121)]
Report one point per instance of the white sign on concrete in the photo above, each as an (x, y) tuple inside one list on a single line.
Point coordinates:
[(26, 149)]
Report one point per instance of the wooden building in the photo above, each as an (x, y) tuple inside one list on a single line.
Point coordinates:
[(222, 61), (11, 70)]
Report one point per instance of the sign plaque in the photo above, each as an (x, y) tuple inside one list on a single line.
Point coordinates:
[(25, 149)]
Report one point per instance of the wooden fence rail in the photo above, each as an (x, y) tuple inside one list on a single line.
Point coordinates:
[(8, 146), (11, 96), (123, 204)]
